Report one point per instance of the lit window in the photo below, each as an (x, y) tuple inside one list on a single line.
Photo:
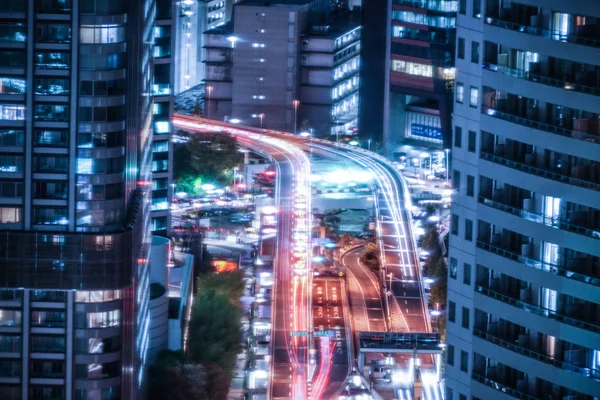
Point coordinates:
[(102, 33), (460, 92), (258, 97), (473, 97), (12, 112), (162, 127), (412, 68), (11, 215), (84, 166)]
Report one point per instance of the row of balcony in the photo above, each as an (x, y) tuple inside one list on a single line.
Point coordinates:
[(540, 218)]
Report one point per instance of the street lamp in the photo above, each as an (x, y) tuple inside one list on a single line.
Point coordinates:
[(209, 90), (369, 144), (295, 103), (233, 39), (261, 116)]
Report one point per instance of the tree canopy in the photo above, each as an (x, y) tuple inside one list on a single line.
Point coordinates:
[(211, 157)]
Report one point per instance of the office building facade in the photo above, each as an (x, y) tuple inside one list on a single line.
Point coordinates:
[(421, 70), (76, 151), (524, 264)]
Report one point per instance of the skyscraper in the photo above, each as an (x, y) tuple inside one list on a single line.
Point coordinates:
[(75, 165), (524, 263)]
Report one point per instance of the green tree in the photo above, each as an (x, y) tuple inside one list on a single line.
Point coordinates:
[(371, 257), (228, 283), (215, 330), (211, 157), (173, 378)]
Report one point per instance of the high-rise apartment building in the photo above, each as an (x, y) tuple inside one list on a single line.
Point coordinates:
[(165, 32), (420, 62), (75, 180), (524, 264)]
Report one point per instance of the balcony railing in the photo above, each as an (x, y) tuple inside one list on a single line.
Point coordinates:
[(501, 387), (587, 372), (544, 312), (544, 80), (537, 264), (530, 123), (540, 219), (539, 172), (545, 33)]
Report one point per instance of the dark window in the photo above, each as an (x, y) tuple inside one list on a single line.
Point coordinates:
[(462, 397), (454, 224), (451, 311), (450, 354), (467, 274), (452, 268), (468, 230), (465, 318), (460, 46), (86, 88), (464, 361), (462, 7), (475, 52), (470, 185), (472, 145), (457, 136), (476, 8), (456, 180), (12, 58)]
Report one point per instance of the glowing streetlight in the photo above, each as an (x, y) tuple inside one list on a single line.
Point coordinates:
[(447, 151), (209, 90), (233, 40), (261, 116), (295, 103)]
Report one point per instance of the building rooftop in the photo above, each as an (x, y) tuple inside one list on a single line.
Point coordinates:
[(337, 27), (225, 29), (276, 3)]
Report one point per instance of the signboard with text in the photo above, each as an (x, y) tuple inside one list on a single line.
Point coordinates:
[(426, 132)]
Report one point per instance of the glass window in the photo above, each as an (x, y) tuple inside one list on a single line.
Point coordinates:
[(50, 32), (10, 317), (451, 311), (464, 361), (460, 51), (470, 185), (97, 296), (12, 112), (10, 369), (12, 137), (50, 216), (454, 224), (472, 144), (462, 7), (11, 163), (453, 268), (456, 180), (53, 6), (475, 52), (468, 229), (13, 32), (474, 97), (100, 319), (48, 319), (412, 68), (476, 8), (102, 33), (450, 354), (465, 318), (159, 224), (51, 164), (11, 215), (47, 369), (12, 58), (10, 344), (51, 112), (460, 92), (57, 190), (9, 85), (48, 344), (467, 274), (52, 60), (98, 345), (457, 137), (51, 138), (52, 86), (47, 392)]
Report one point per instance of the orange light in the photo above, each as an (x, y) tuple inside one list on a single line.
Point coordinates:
[(270, 173)]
